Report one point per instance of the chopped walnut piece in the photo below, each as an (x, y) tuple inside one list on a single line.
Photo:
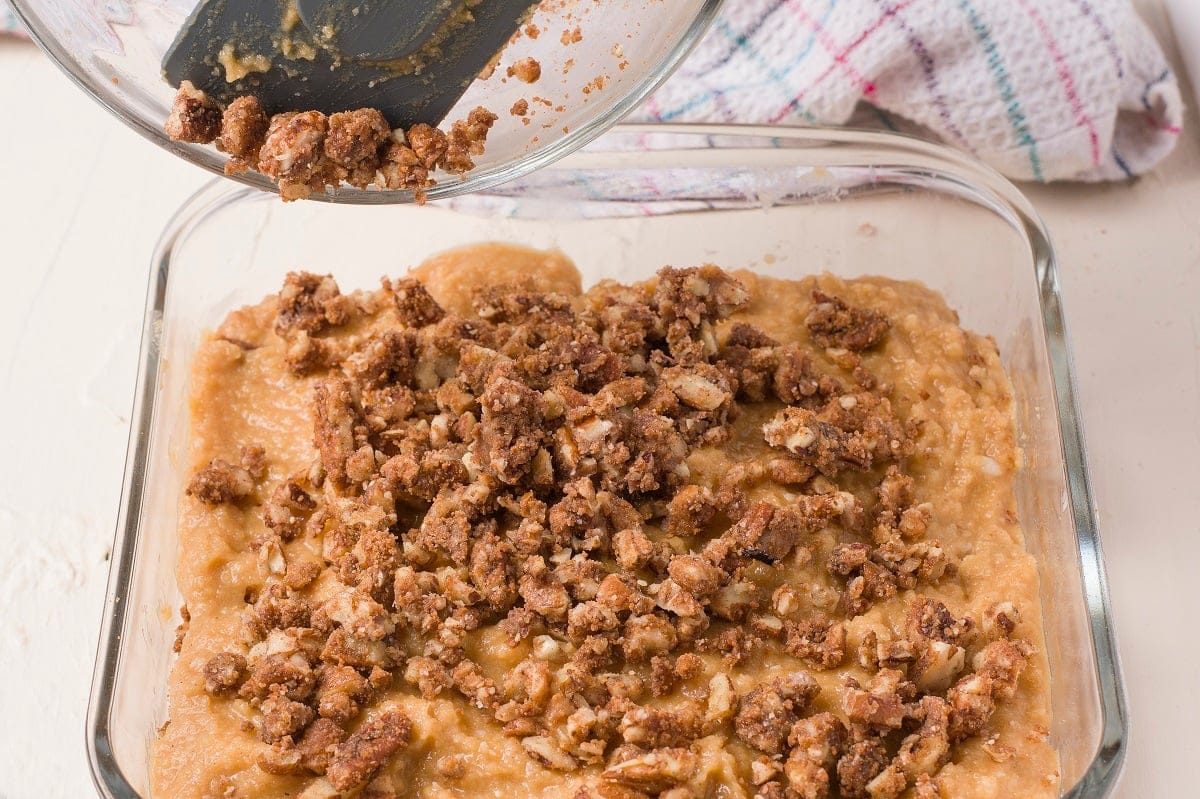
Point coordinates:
[(428, 143), (833, 323), (244, 127), (466, 139), (926, 788), (652, 728), (695, 575), (882, 704), (353, 144), (700, 386), (676, 599), (294, 154), (287, 508), (221, 482), (341, 691), (306, 354), (312, 303), (281, 757), (936, 666), (863, 762), (414, 304), (654, 772), (275, 608), (491, 571), (851, 431), (973, 698), (647, 635), (632, 549), (368, 748), (387, 359), (820, 643), (543, 591), (689, 511), (343, 648), (698, 294), (336, 414), (429, 676), (767, 713), (224, 672), (474, 685), (401, 168), (817, 741), (194, 117), (547, 753), (282, 717), (936, 635), (290, 675), (590, 618), (1000, 620), (928, 749), (510, 434), (887, 784), (316, 744)]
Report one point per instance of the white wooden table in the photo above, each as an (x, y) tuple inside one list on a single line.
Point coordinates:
[(84, 199)]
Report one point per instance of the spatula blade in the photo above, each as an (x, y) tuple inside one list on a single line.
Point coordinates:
[(327, 82)]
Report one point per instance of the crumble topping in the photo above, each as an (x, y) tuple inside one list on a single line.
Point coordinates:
[(306, 152), (529, 470)]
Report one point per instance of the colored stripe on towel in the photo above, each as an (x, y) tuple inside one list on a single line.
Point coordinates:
[(862, 37), (742, 44), (929, 71), (1066, 77), (1016, 116)]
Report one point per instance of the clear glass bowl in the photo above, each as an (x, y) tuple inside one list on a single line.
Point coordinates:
[(113, 49), (781, 201)]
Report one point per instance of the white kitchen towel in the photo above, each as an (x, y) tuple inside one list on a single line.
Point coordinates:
[(1040, 89)]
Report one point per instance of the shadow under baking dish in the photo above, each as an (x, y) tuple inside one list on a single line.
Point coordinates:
[(784, 202)]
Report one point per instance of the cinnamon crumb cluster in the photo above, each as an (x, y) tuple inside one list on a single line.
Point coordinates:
[(307, 151), (526, 470)]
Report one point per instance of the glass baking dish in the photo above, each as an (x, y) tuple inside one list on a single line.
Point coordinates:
[(781, 201)]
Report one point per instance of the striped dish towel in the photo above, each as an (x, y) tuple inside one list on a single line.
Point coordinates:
[(1040, 89)]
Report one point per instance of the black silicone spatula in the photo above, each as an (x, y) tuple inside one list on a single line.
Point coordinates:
[(337, 55)]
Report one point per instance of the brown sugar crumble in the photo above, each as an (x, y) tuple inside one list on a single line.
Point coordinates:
[(641, 540), (307, 152), (527, 70)]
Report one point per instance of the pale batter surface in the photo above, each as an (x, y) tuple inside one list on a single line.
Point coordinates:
[(740, 539)]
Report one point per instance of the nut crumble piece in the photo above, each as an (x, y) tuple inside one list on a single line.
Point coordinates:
[(306, 152), (354, 760), (244, 127), (194, 116), (527, 70)]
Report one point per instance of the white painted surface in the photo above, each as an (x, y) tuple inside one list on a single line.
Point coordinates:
[(84, 199)]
